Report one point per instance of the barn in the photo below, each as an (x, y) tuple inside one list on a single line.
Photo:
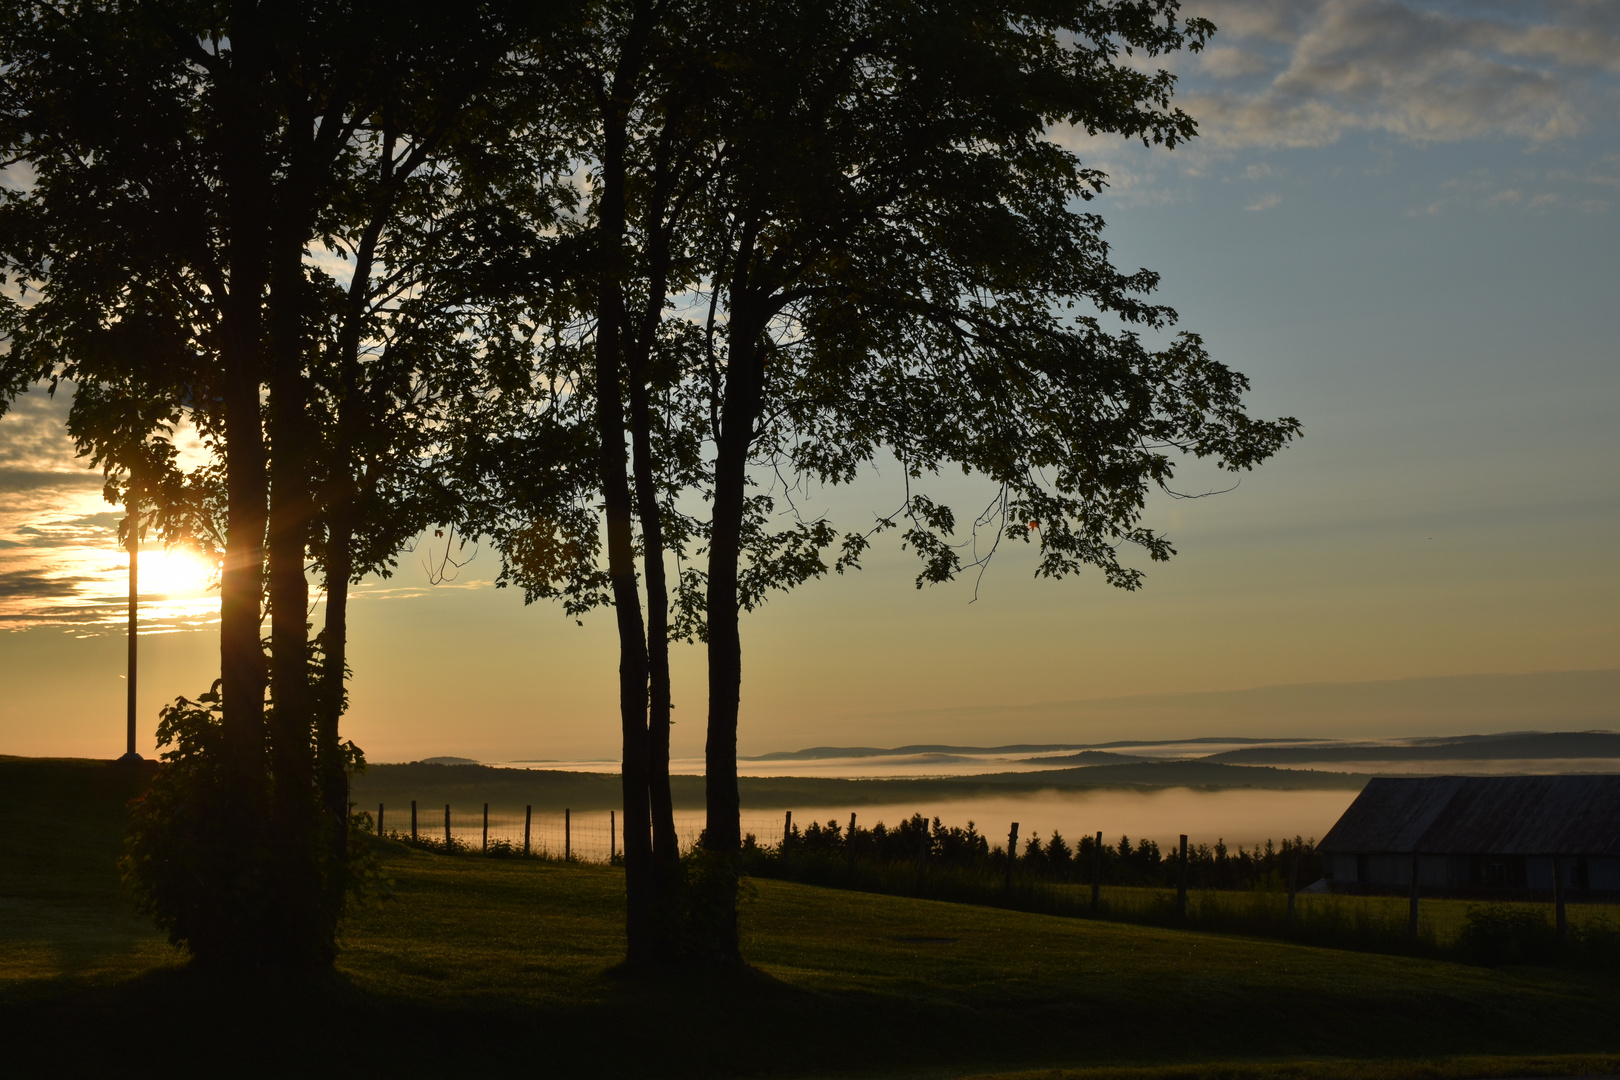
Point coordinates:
[(1484, 833)]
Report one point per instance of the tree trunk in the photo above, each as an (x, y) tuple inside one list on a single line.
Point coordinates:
[(666, 845), (241, 657), (638, 865), (309, 918), (739, 412), (333, 776), (246, 260), (332, 771)]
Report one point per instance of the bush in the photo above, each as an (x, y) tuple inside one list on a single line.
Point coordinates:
[(206, 864), (1495, 934)]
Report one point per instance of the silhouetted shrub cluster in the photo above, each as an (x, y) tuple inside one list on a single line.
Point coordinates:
[(225, 884), (932, 843), (1501, 934)]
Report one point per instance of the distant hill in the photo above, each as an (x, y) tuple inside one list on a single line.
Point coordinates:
[(1200, 773), (1084, 757), (815, 753), (1519, 745)]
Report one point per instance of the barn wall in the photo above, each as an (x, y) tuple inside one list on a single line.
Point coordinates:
[(1538, 871), (1439, 872), (1389, 869), (1459, 871), (1603, 873)]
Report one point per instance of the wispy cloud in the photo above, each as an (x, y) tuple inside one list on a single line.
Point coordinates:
[(1265, 202), (1305, 74)]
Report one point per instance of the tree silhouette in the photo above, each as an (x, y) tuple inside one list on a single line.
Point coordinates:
[(185, 157), (896, 245)]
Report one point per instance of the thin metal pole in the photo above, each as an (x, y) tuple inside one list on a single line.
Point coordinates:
[(132, 522), (849, 841), (379, 819), (413, 820), (486, 828), (568, 835), (528, 815), (613, 836), (447, 842)]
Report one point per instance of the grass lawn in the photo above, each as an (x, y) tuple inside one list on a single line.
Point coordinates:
[(485, 967)]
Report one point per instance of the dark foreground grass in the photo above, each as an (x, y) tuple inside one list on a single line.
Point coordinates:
[(484, 967)]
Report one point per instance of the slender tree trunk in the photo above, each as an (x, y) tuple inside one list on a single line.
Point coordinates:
[(333, 776), (739, 412), (638, 865), (666, 845), (242, 667), (309, 919), (246, 258)]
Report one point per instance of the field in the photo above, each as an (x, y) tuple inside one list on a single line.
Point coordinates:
[(482, 966)]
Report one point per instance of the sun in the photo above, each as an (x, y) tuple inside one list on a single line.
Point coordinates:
[(174, 572)]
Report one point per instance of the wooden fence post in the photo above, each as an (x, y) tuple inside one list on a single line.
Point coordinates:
[(613, 836), (1293, 885), (413, 820), (1560, 920), (1012, 853), (486, 828), (528, 816), (379, 819), (449, 845), (1181, 880), (1096, 873), (849, 842), (787, 833), (568, 835), (1412, 905)]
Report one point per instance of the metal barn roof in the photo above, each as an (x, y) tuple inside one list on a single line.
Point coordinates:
[(1482, 815)]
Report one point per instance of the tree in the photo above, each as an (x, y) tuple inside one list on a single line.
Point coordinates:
[(895, 246), (185, 156), (639, 120)]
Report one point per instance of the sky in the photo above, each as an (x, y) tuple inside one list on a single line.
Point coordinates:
[(1399, 220)]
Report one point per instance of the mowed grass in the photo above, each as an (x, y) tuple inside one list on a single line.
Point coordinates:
[(485, 967)]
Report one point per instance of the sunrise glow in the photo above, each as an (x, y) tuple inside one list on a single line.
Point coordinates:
[(174, 572)]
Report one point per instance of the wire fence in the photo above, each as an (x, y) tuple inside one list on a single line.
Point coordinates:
[(579, 835)]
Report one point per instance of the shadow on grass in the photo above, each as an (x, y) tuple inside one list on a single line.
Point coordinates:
[(658, 1023), (188, 1020)]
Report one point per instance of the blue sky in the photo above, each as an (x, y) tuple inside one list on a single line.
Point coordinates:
[(1401, 221)]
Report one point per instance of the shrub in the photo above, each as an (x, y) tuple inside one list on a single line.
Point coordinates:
[(206, 864), (1495, 934)]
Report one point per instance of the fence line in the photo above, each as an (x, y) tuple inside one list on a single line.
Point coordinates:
[(581, 835), (597, 836)]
